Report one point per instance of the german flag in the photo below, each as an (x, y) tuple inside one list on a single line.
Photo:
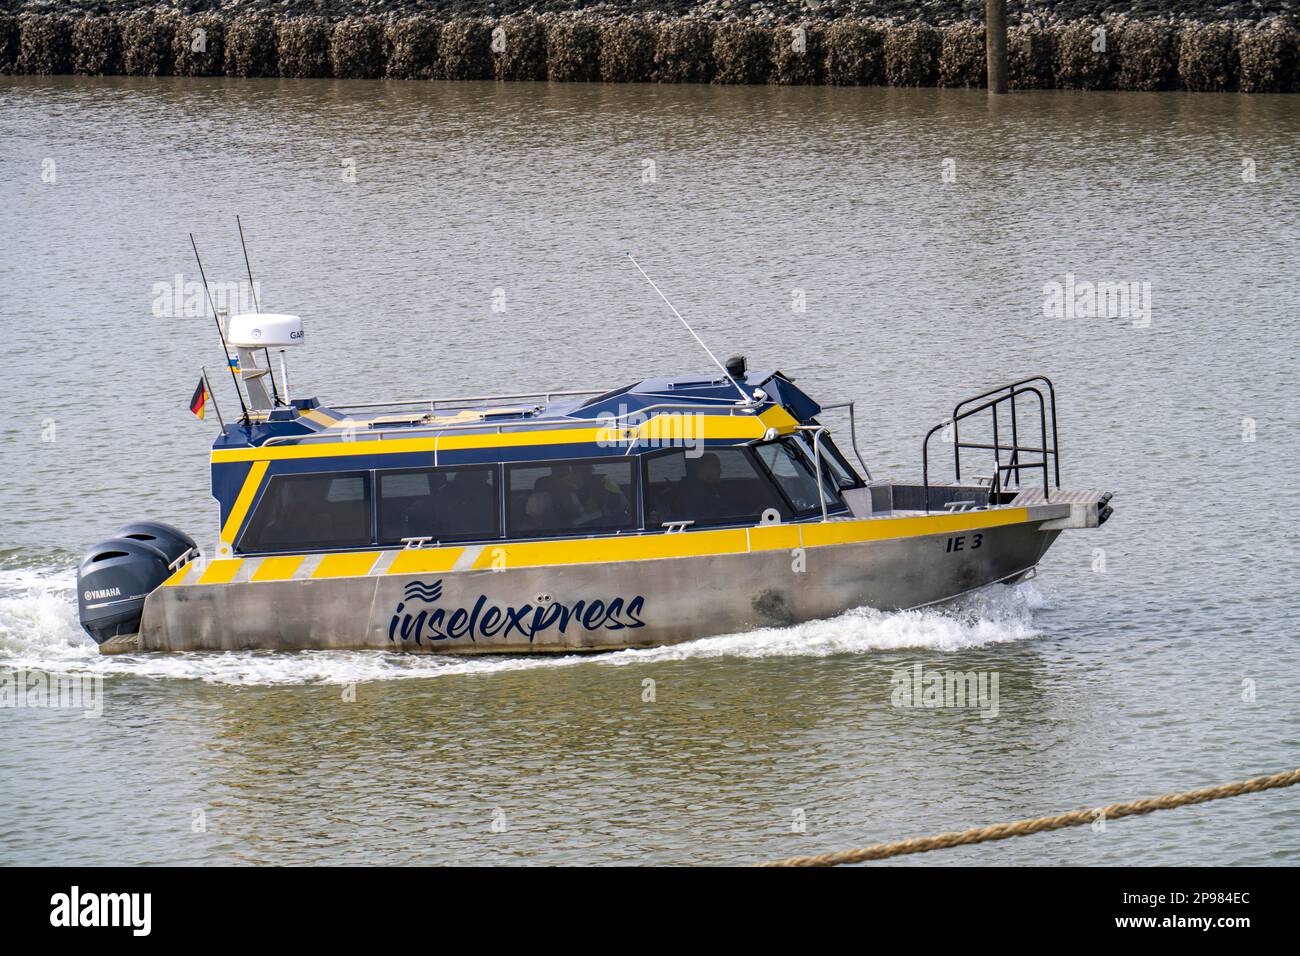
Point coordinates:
[(199, 403)]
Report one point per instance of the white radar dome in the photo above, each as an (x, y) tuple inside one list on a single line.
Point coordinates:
[(258, 330)]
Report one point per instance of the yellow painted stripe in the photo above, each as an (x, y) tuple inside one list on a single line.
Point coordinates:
[(179, 577), (818, 534), (639, 547), (277, 569), (734, 541), (351, 565), (779, 537), (715, 426), (243, 501), (418, 561), (601, 550), (220, 571)]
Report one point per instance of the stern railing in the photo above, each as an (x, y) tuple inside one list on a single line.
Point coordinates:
[(1004, 398)]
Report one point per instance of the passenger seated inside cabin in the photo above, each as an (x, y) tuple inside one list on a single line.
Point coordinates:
[(599, 494), (702, 487), (550, 503), (576, 496), (717, 487)]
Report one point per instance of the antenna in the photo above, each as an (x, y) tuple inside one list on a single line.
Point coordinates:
[(257, 306), (220, 331), (747, 399)]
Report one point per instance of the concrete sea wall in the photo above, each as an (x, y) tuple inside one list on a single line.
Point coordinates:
[(1260, 56)]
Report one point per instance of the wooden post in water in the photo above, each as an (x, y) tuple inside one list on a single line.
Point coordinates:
[(995, 44)]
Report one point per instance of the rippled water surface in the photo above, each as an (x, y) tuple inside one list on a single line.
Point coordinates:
[(1156, 654)]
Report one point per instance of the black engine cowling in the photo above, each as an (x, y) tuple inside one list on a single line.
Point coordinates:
[(170, 541), (117, 575)]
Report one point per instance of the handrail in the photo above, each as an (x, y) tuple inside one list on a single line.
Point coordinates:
[(1015, 447), (495, 427), (435, 402), (1005, 394), (1051, 391), (853, 432), (817, 457)]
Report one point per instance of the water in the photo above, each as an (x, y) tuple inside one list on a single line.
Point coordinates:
[(1114, 684)]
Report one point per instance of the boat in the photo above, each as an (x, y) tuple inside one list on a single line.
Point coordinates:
[(662, 511)]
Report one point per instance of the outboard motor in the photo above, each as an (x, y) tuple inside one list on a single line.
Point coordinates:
[(118, 574)]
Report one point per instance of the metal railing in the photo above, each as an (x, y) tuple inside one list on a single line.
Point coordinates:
[(818, 431), (991, 401), (497, 427), (434, 403), (853, 432)]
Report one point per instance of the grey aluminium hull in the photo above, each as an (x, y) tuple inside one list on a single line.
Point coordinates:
[(600, 605)]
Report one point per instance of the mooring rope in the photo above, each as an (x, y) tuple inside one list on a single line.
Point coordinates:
[(1075, 818)]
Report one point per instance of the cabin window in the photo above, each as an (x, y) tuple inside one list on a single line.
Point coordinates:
[(444, 504), (571, 497), (720, 486), (306, 512), (796, 478)]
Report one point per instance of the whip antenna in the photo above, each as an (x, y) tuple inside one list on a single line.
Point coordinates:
[(722, 367), (257, 307), (220, 331)]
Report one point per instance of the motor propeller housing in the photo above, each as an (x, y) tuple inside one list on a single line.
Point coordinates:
[(170, 541), (116, 576)]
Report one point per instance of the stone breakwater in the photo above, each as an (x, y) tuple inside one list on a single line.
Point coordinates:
[(1105, 54)]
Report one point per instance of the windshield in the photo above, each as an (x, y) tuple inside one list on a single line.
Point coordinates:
[(835, 470), (796, 477)]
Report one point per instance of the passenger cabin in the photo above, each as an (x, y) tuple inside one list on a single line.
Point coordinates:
[(660, 456)]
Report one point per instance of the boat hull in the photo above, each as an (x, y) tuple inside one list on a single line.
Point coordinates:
[(597, 605)]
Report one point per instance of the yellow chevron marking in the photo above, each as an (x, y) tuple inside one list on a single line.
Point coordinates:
[(351, 565), (242, 502), (277, 569), (220, 571), (418, 561)]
